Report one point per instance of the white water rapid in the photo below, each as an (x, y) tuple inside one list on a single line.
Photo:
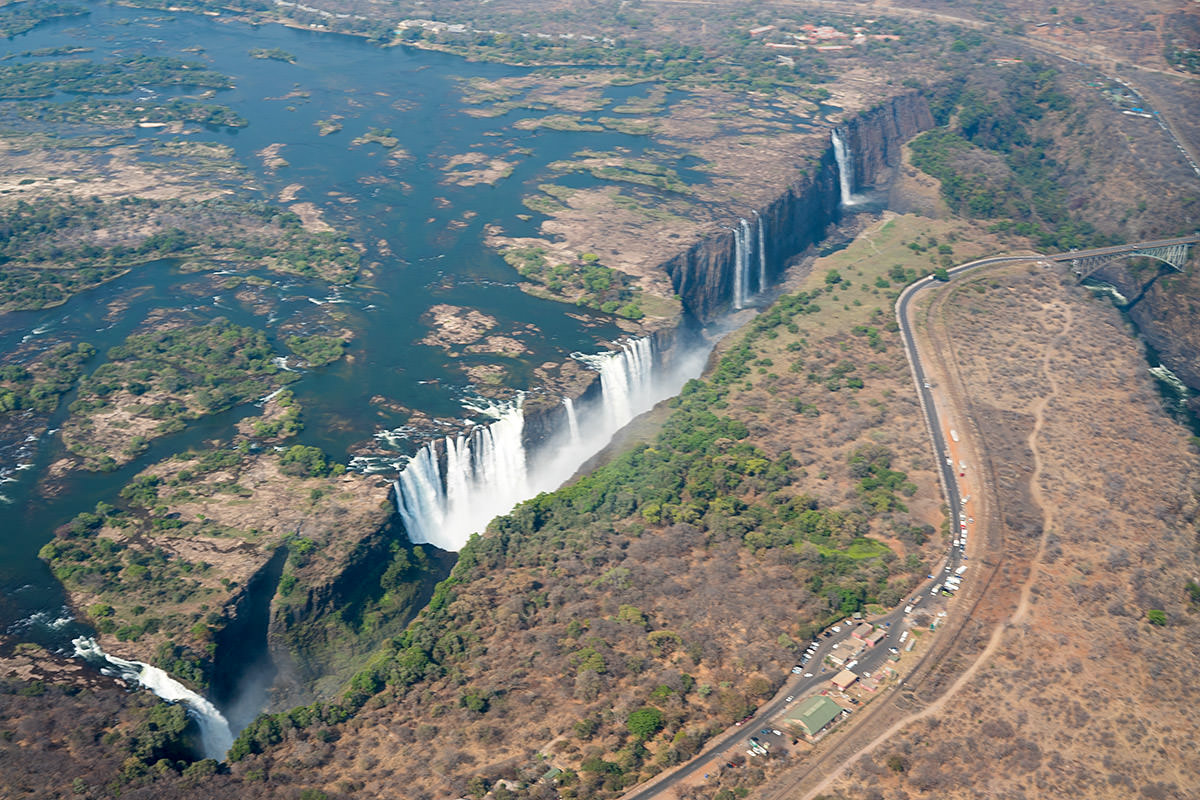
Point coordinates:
[(845, 169), (452, 487), (215, 736)]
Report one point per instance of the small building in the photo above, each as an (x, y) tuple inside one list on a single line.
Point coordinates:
[(844, 680), (863, 631), (845, 652), (814, 714), (760, 30), (876, 637)]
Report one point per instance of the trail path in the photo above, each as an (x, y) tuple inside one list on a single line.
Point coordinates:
[(1023, 605)]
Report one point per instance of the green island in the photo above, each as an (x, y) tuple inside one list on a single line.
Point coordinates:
[(155, 382), (38, 385), (273, 54), (586, 282), (112, 112), (18, 18), (317, 351), (53, 247), (43, 79)]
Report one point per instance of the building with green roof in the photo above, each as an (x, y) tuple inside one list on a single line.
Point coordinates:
[(814, 714)]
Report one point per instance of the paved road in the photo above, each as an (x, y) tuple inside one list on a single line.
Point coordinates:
[(798, 686)]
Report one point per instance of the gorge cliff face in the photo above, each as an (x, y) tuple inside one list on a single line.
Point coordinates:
[(875, 138), (1165, 309), (703, 275)]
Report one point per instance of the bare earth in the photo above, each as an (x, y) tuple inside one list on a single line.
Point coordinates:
[(1071, 691)]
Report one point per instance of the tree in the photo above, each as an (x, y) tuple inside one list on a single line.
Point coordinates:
[(941, 274), (644, 723), (1157, 616)]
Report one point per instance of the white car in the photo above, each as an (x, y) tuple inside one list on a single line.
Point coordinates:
[(790, 697), (808, 674)]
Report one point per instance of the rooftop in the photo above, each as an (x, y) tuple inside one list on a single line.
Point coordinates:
[(844, 678), (814, 713), (863, 631)]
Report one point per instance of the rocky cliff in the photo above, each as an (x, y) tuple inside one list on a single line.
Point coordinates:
[(875, 138), (1164, 305), (703, 275)]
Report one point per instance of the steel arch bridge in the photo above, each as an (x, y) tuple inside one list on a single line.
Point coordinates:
[(1173, 252)]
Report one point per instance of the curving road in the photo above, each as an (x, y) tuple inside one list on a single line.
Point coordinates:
[(798, 686)]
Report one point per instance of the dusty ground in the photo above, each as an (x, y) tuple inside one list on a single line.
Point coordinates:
[(31, 170), (481, 169), (1074, 692)]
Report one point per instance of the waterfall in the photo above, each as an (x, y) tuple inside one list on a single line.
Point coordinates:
[(742, 249), (485, 476), (454, 486), (762, 256), (572, 420), (625, 381), (215, 735), (845, 169)]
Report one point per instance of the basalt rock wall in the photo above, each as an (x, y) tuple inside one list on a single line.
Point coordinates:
[(703, 275), (875, 138)]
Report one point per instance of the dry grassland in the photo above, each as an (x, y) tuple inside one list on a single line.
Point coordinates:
[(1077, 694)]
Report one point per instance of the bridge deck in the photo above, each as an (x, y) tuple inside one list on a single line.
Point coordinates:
[(1123, 248)]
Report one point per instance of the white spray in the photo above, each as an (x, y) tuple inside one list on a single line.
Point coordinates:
[(485, 476), (215, 735), (486, 471)]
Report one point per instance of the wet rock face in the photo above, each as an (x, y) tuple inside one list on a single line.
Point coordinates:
[(703, 275), (875, 137)]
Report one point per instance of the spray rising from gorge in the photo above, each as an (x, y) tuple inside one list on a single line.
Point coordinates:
[(454, 486)]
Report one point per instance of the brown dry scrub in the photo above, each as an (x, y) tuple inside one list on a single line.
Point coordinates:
[(1083, 696)]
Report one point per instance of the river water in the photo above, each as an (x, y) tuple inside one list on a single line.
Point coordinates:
[(435, 251)]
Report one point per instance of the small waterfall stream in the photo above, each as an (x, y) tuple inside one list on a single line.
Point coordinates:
[(215, 735), (845, 169), (572, 419)]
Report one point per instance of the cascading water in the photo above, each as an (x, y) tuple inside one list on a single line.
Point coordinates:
[(845, 169), (762, 256), (484, 477), (743, 248), (454, 486), (572, 420), (625, 379), (215, 736)]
